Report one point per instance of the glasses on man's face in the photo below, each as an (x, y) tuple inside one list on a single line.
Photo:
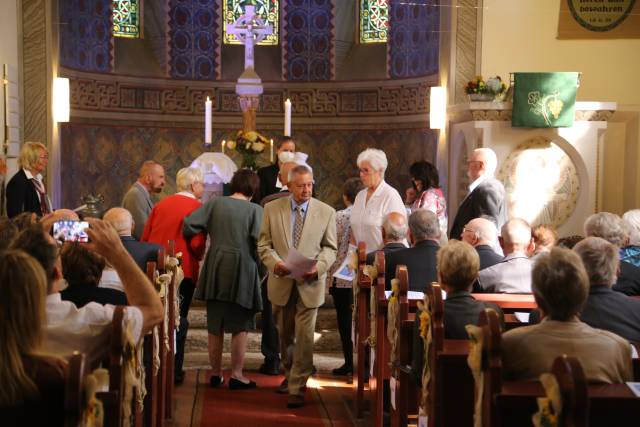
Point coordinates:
[(468, 230)]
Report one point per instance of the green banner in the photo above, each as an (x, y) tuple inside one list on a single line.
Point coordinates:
[(544, 100)]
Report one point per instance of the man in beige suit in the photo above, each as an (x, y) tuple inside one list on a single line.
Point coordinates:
[(308, 225)]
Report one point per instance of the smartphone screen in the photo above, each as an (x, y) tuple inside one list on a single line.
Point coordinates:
[(70, 231)]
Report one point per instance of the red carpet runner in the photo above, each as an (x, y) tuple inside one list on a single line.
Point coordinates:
[(261, 407)]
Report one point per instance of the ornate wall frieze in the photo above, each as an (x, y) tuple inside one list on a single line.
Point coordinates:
[(501, 111), (109, 94)]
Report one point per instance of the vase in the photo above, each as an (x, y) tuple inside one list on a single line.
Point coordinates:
[(249, 161), (480, 97)]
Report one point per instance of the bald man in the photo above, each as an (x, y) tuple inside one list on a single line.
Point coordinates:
[(486, 194), (142, 252), (394, 234), (513, 274), (138, 199), (482, 234)]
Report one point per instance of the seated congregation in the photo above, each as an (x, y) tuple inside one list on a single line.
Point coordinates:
[(477, 324)]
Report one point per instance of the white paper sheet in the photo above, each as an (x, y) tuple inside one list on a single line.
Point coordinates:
[(412, 295), (635, 388), (344, 272), (423, 421), (298, 264), (522, 317)]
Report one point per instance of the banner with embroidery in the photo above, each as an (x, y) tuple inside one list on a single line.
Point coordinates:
[(544, 100)]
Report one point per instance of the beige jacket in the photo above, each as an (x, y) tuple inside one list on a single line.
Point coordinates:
[(318, 241)]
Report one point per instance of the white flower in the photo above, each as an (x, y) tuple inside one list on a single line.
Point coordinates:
[(258, 147), (494, 84)]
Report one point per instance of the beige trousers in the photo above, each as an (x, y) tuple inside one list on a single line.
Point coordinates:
[(296, 325)]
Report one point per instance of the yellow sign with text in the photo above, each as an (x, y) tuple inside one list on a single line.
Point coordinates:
[(599, 19)]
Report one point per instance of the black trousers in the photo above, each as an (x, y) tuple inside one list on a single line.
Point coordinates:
[(343, 301), (186, 289), (270, 343)]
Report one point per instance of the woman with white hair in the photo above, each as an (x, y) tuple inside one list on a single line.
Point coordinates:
[(26, 191), (375, 201), (165, 223), (631, 253)]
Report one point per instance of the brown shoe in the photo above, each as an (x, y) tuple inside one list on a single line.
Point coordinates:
[(295, 401)]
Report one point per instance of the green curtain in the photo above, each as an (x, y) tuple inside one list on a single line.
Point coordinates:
[(544, 100)]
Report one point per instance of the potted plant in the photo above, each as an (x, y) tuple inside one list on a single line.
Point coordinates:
[(490, 90), (250, 144)]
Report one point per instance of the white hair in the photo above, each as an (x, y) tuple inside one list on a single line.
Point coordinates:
[(632, 218), (489, 159), (299, 170), (608, 226), (485, 230), (376, 158), (121, 220), (395, 230), (187, 176)]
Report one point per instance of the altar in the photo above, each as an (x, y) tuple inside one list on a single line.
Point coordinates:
[(551, 175)]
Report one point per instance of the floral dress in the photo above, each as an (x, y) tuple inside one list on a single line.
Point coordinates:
[(433, 200)]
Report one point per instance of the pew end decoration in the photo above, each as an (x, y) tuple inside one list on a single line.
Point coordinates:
[(425, 327)]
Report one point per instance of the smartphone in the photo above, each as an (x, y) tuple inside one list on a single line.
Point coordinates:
[(70, 231)]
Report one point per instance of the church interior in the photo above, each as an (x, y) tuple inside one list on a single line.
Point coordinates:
[(107, 85)]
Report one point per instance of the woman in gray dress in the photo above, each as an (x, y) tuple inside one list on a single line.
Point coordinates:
[(229, 281)]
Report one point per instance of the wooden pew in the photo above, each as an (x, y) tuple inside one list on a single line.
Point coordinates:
[(380, 353), (150, 413), (170, 359), (513, 403), (361, 331)]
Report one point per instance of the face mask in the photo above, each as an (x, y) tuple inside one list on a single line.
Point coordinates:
[(286, 156)]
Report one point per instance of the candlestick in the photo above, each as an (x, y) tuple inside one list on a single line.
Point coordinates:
[(271, 146), (287, 117), (207, 121), (223, 144)]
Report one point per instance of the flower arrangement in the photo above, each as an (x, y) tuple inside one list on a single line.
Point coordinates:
[(249, 144), (480, 90)]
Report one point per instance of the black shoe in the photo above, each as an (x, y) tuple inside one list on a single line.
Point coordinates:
[(235, 384), (178, 378), (283, 388), (295, 401), (216, 381), (270, 367), (343, 370)]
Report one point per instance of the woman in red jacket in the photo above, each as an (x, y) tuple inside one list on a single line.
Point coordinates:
[(164, 224)]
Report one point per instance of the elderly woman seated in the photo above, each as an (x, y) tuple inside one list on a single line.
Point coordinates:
[(560, 288)]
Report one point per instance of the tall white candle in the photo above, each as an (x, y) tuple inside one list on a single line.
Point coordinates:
[(287, 117), (271, 147), (207, 121), (223, 144)]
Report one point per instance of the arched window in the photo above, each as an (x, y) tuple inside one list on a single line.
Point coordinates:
[(268, 10), (126, 18), (374, 21)]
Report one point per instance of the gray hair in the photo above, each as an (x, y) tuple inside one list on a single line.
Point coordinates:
[(187, 176), (424, 225), (489, 159), (516, 231), (608, 226), (121, 220), (632, 218), (394, 230), (300, 170), (376, 158), (485, 230), (600, 259)]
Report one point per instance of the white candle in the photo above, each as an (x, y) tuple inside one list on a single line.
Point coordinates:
[(223, 144), (207, 121), (271, 146), (287, 117)]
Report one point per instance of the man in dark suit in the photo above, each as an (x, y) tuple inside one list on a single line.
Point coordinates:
[(26, 190), (269, 182), (605, 308), (420, 259), (142, 252), (457, 269), (481, 233), (394, 233), (486, 194)]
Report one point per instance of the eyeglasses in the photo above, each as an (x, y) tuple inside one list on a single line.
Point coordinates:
[(468, 230)]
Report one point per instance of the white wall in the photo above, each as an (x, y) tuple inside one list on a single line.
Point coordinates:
[(521, 36), (9, 54)]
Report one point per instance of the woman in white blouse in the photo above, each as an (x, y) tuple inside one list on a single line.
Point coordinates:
[(375, 202)]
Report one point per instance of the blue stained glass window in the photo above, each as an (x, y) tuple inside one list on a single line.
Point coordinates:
[(126, 18), (268, 10)]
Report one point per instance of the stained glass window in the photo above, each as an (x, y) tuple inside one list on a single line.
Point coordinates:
[(268, 10), (374, 20), (126, 18)]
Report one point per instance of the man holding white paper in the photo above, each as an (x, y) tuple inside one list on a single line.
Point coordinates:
[(308, 226)]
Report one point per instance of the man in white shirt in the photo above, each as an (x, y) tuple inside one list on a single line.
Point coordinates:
[(486, 196), (513, 274), (86, 329)]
